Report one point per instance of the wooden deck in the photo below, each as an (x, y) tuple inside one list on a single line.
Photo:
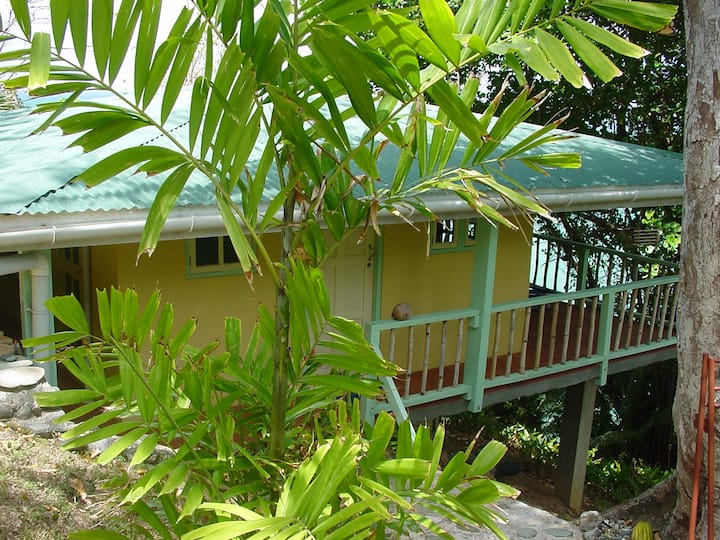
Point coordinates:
[(559, 346)]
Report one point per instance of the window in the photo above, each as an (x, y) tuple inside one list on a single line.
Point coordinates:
[(453, 235), (212, 256)]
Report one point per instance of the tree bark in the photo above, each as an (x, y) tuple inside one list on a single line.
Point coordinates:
[(699, 319)]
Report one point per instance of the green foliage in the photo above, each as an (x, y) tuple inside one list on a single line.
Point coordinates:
[(280, 80), (145, 385), (622, 478)]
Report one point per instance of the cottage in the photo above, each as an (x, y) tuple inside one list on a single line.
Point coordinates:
[(476, 335)]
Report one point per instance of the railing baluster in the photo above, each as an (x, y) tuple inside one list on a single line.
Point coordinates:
[(536, 242), (663, 313), (553, 333), (411, 346), (673, 312), (557, 269), (653, 320), (631, 322), (426, 361), (511, 339), (391, 355), (496, 345), (643, 315), (458, 354), (621, 320), (539, 338), (593, 317), (547, 266), (526, 334), (566, 333), (443, 347), (580, 327)]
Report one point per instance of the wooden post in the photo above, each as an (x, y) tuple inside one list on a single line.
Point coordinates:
[(574, 443), (481, 298)]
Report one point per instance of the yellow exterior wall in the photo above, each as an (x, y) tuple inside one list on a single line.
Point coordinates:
[(208, 299), (442, 281)]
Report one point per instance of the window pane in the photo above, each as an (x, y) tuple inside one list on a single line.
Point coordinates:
[(229, 255), (445, 231), (471, 231), (207, 251)]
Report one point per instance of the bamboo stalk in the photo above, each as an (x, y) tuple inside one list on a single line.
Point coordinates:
[(653, 319), (443, 347), (663, 313), (458, 354), (633, 305), (566, 333), (411, 346), (621, 320), (496, 345), (579, 331), (526, 334), (426, 360), (673, 313), (539, 339), (643, 315), (593, 317), (511, 339), (553, 333)]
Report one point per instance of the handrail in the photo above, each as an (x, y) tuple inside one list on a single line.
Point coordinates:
[(585, 293), (609, 251)]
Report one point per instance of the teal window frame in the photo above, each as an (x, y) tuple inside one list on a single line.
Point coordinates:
[(219, 269), (463, 231)]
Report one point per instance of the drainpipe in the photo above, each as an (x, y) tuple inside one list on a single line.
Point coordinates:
[(42, 321)]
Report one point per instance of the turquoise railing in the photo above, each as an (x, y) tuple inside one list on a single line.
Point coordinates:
[(565, 266), (530, 338)]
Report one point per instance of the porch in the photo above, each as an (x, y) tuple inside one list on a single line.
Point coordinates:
[(590, 313)]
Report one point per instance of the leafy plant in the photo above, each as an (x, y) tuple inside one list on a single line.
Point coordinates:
[(146, 386), (267, 128)]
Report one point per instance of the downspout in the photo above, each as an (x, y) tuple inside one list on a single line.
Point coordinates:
[(42, 321)]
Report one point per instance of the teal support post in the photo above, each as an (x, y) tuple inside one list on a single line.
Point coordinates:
[(377, 276), (607, 309), (481, 298), (583, 271), (575, 431)]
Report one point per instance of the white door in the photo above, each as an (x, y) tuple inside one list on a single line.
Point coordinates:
[(349, 278)]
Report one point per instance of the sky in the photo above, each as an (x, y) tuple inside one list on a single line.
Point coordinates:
[(40, 15)]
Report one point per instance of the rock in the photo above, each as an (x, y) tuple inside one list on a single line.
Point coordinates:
[(25, 411), (20, 377), (589, 520), (14, 361)]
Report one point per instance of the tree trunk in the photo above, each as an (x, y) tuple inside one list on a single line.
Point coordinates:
[(699, 319)]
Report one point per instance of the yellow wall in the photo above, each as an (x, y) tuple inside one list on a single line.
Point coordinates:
[(442, 281), (209, 300), (439, 282)]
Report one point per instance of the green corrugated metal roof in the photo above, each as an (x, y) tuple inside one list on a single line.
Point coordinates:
[(37, 170)]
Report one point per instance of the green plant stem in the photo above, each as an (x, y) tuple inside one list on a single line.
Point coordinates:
[(281, 350)]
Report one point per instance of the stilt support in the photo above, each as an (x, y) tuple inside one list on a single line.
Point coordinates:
[(574, 443)]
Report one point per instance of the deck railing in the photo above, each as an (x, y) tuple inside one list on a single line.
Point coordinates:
[(534, 337), (565, 266)]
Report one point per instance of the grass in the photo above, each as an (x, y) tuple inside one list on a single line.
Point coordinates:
[(46, 493)]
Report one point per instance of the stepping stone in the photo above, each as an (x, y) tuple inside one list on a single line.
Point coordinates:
[(20, 361), (527, 532), (559, 533), (20, 377)]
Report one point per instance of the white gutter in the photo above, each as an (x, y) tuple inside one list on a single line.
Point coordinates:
[(38, 264), (122, 227)]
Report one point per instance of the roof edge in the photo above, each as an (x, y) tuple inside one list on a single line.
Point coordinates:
[(32, 232)]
